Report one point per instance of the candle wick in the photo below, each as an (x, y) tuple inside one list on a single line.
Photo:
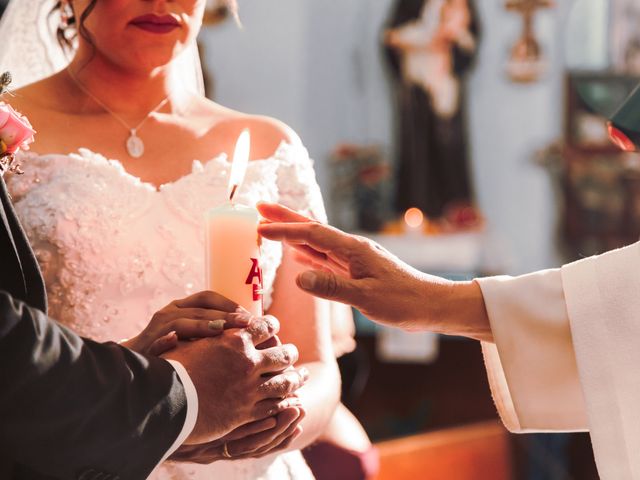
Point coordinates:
[(233, 192)]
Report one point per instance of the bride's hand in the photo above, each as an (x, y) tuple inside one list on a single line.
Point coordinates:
[(204, 314), (252, 440)]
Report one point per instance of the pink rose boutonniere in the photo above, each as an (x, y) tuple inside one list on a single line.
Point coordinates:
[(16, 133)]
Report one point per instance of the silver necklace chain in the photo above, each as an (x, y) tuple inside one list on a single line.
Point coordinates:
[(134, 144)]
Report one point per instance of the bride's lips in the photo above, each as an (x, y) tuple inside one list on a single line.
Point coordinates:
[(156, 23)]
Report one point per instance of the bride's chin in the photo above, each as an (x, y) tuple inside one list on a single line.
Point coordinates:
[(148, 64), (150, 56)]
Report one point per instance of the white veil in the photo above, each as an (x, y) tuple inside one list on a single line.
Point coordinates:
[(29, 48)]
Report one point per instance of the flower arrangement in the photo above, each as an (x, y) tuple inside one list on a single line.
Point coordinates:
[(16, 133), (360, 187)]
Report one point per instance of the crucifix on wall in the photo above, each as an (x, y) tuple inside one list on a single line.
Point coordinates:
[(526, 62)]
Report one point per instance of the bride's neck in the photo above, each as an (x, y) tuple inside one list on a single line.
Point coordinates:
[(123, 91)]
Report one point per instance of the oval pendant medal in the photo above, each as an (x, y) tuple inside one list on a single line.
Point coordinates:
[(135, 145)]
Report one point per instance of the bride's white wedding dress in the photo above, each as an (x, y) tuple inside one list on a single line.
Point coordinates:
[(114, 250)]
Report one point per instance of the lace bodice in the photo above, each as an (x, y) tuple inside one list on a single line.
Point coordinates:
[(114, 250)]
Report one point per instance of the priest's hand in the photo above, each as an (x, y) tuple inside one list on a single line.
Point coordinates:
[(357, 271)]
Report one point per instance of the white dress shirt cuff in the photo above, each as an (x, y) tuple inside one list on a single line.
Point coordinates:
[(532, 366), (192, 409)]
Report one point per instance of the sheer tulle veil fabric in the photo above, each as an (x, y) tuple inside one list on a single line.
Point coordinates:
[(30, 49)]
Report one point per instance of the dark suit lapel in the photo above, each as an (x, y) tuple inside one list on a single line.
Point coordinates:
[(11, 275), (27, 273)]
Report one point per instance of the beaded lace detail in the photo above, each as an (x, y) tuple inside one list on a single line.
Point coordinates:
[(114, 250)]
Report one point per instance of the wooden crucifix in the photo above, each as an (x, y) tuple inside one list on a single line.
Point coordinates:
[(526, 60)]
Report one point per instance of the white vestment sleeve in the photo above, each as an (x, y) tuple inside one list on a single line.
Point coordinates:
[(603, 301), (532, 366), (553, 327)]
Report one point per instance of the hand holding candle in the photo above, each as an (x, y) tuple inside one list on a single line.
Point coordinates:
[(232, 243)]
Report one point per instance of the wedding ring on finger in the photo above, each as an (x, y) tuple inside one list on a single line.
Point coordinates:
[(225, 451)]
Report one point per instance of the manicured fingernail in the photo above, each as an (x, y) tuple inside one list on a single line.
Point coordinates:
[(307, 280), (173, 335), (304, 373), (241, 310), (217, 324)]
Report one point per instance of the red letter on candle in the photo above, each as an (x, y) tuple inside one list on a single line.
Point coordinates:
[(255, 273)]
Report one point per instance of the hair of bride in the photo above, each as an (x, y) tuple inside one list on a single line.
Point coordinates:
[(65, 39)]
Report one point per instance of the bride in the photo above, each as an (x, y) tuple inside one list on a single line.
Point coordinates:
[(131, 228)]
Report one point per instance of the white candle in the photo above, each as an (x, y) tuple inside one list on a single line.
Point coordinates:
[(232, 243)]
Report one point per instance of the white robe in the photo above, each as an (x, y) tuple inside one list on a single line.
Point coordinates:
[(567, 354)]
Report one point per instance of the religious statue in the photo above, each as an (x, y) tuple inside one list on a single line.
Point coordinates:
[(431, 45)]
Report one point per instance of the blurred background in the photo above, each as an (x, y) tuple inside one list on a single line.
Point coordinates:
[(469, 138)]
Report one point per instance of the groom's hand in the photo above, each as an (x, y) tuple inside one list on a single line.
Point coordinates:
[(236, 382), (256, 439)]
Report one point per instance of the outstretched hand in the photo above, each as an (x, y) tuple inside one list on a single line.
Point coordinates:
[(348, 268), (359, 272)]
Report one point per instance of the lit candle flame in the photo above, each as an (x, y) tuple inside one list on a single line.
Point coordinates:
[(240, 162)]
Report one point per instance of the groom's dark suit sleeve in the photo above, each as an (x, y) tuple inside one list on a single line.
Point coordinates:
[(74, 408)]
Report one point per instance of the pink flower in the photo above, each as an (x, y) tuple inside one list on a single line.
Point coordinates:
[(15, 130)]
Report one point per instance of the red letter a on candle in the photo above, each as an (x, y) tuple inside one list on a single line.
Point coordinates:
[(255, 273)]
